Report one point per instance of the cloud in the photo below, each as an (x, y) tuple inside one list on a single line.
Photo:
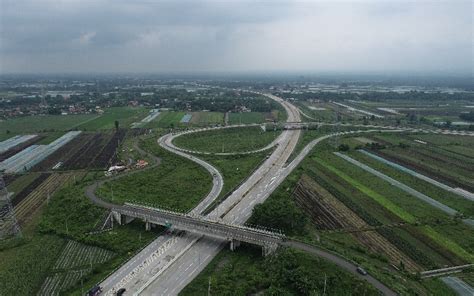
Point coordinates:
[(160, 36)]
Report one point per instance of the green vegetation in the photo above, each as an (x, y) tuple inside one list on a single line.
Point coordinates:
[(246, 117), (289, 272), (167, 119), (71, 215), (36, 124), (207, 118), (124, 115), (25, 266), (21, 182), (177, 183), (448, 198), (234, 168), (227, 140)]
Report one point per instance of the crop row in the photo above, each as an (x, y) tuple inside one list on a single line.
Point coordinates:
[(31, 203), (59, 282), (77, 255), (29, 188), (440, 242), (345, 217), (108, 155), (63, 153), (86, 154)]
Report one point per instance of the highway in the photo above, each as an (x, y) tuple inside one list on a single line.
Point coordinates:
[(237, 208)]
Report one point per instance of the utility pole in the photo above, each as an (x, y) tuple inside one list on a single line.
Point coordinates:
[(209, 287), (325, 279)]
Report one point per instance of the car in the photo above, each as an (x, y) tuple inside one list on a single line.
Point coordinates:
[(361, 270), (120, 291)]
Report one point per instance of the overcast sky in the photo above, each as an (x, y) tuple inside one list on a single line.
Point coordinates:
[(186, 36)]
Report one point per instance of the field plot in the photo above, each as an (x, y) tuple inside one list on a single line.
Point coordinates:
[(438, 191), (29, 204), (248, 117), (75, 261), (167, 119), (404, 208), (35, 124), (18, 197), (99, 151), (24, 268), (29, 157), (207, 118), (329, 213), (227, 140), (124, 115), (63, 153), (431, 159), (20, 182)]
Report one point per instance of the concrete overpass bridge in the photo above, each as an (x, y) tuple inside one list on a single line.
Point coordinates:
[(268, 240)]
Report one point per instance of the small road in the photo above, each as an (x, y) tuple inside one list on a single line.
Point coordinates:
[(341, 262)]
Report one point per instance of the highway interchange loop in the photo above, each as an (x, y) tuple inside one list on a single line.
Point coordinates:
[(173, 276)]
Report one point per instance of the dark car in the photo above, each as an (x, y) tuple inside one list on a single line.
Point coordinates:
[(120, 292), (361, 270)]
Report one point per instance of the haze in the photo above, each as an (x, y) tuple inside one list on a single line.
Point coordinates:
[(196, 36)]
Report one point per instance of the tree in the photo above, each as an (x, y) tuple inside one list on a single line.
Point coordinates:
[(116, 124), (343, 147)]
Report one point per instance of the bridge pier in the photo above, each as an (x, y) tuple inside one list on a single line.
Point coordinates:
[(121, 218), (117, 216), (147, 226), (234, 244), (268, 249)]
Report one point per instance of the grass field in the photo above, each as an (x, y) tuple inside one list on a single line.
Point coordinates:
[(246, 118), (35, 124), (207, 118), (167, 119), (227, 140), (125, 116), (177, 183)]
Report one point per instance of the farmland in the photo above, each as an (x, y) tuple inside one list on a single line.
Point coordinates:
[(35, 124), (366, 219), (207, 118), (125, 115), (75, 261), (167, 119), (227, 140), (247, 117), (430, 159)]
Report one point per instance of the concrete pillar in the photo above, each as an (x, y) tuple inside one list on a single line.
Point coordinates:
[(147, 226), (268, 249), (234, 244), (118, 217)]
